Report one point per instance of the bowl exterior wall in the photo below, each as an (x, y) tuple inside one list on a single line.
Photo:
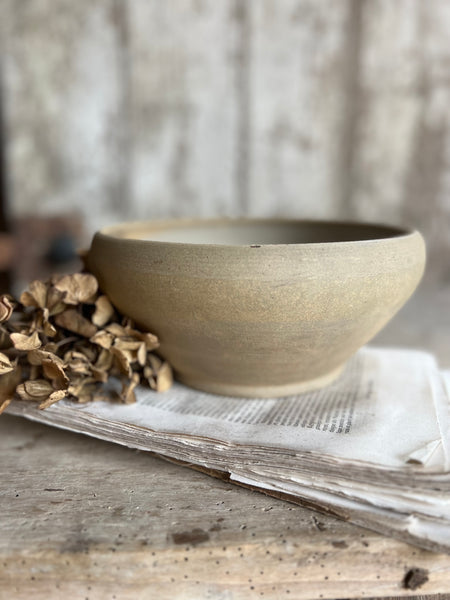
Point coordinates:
[(240, 319)]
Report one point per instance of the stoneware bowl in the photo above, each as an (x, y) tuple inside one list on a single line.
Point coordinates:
[(254, 307)]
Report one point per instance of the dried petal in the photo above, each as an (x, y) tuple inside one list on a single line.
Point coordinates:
[(164, 378), (103, 338), (52, 347), (54, 371), (105, 360), (158, 373), (123, 361), (36, 357), (104, 311), (78, 288), (26, 342), (154, 362), (127, 394), (36, 390), (8, 384), (102, 366), (4, 405), (6, 307), (99, 374), (55, 301), (127, 344), (83, 390), (55, 396), (37, 322), (78, 363), (36, 295), (116, 330), (150, 340), (79, 385), (5, 364), (142, 354), (49, 329), (148, 374), (90, 352), (72, 320)]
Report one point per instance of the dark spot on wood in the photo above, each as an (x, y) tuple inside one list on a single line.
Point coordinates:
[(78, 545), (215, 527), (196, 536), (255, 246), (339, 544), (318, 524), (415, 578)]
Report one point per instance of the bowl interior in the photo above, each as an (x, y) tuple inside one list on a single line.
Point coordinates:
[(253, 232)]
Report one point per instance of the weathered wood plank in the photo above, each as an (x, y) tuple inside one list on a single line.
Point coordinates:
[(184, 108), (401, 156), (387, 107), (64, 103), (313, 108), (83, 518), (298, 70)]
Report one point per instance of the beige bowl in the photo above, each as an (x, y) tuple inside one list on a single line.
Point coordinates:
[(255, 307)]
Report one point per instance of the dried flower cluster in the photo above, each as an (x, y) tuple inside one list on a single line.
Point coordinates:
[(64, 339)]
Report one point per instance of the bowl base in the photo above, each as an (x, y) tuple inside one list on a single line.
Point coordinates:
[(266, 391)]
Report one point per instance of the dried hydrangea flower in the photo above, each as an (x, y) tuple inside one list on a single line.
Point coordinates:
[(64, 339)]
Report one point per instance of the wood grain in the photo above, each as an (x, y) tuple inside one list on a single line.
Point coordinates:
[(64, 107), (184, 110), (297, 94), (84, 518), (194, 107), (401, 125)]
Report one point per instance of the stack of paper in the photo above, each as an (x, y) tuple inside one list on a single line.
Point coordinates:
[(373, 447)]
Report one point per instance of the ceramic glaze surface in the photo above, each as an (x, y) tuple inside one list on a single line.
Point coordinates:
[(256, 307)]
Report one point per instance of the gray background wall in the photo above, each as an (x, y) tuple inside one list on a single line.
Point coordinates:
[(129, 109)]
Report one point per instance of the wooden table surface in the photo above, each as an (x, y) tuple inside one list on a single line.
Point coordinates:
[(82, 518)]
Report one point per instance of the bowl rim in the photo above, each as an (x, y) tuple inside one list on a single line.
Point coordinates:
[(118, 231)]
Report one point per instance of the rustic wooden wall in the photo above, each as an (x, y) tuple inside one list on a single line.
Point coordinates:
[(127, 109)]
